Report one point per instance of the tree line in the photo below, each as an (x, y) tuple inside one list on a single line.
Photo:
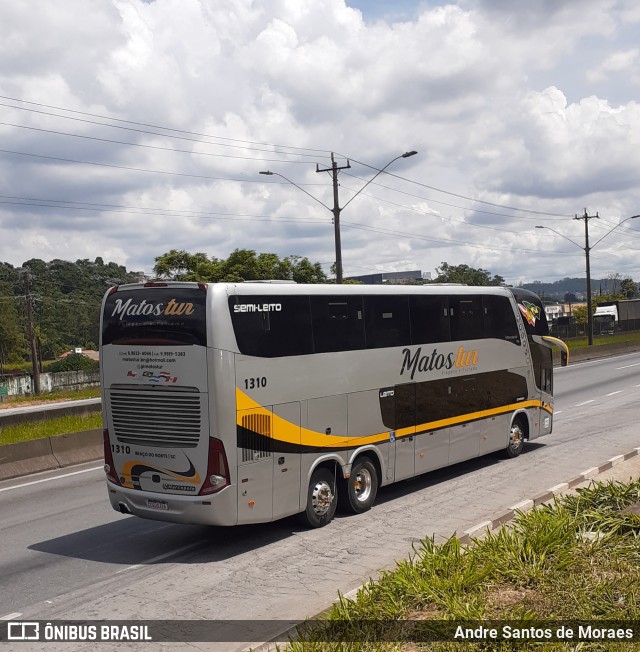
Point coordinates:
[(64, 297)]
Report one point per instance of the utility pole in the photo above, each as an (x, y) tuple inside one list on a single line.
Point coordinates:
[(32, 334), (334, 169), (336, 210), (587, 249)]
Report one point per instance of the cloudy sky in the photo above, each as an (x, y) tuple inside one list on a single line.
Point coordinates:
[(129, 128)]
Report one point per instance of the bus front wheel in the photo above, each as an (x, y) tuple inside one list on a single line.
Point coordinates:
[(322, 499), (359, 490), (516, 439)]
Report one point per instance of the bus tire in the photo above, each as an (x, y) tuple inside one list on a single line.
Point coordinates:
[(516, 439), (360, 489), (322, 499)]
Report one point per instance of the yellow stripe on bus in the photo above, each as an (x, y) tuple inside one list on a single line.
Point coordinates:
[(293, 434)]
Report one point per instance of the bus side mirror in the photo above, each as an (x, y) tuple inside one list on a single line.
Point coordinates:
[(564, 349)]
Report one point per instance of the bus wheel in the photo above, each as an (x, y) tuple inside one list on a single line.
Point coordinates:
[(322, 498), (516, 440), (360, 489)]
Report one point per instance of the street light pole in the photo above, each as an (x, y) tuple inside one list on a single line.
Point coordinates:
[(587, 250), (337, 209)]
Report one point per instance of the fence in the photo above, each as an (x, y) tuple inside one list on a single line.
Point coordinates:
[(49, 382), (569, 331)]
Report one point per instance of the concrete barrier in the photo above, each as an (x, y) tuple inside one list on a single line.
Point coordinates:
[(77, 447), (26, 457), (28, 414), (37, 455)]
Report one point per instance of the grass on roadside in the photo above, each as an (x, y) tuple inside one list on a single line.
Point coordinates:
[(631, 337), (577, 558), (50, 428)]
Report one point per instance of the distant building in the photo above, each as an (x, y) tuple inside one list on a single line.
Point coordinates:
[(141, 277), (391, 277), (87, 353)]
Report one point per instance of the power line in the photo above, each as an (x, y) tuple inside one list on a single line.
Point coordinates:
[(454, 194), (321, 152), (128, 168), (166, 149), (157, 212), (464, 208)]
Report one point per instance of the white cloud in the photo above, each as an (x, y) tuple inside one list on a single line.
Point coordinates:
[(619, 62), (497, 97)]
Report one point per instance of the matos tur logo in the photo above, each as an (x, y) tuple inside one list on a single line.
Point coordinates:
[(416, 361), (129, 308)]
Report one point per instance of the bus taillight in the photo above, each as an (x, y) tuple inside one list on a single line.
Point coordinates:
[(217, 468), (109, 467)]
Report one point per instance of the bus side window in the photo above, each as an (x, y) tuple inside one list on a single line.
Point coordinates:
[(499, 319), (429, 319), (284, 328), (338, 323), (386, 321), (467, 322)]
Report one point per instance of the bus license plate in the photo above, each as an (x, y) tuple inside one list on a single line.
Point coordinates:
[(157, 504)]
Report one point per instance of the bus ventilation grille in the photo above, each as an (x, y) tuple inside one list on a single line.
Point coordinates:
[(167, 419), (257, 437)]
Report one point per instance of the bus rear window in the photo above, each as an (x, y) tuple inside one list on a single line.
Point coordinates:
[(155, 316)]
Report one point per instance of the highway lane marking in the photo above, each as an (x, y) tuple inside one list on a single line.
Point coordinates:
[(585, 402), (628, 365), (55, 477), (12, 616), (614, 393), (157, 558)]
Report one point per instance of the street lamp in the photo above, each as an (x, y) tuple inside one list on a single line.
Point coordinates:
[(586, 250), (337, 209)]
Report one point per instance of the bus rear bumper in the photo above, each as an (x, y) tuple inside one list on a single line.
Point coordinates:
[(216, 509)]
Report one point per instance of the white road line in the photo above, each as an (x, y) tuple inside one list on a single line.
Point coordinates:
[(12, 616), (556, 412), (164, 555), (55, 477), (614, 393), (585, 403), (628, 365)]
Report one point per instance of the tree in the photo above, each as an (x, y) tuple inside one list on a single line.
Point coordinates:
[(74, 362), (629, 288), (466, 275), (183, 266), (241, 265), (13, 344)]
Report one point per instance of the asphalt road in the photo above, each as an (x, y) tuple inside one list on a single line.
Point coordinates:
[(66, 555)]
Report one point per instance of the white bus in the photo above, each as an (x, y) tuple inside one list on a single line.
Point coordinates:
[(241, 403)]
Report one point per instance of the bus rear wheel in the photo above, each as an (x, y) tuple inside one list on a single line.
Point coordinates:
[(322, 499), (359, 490), (516, 440)]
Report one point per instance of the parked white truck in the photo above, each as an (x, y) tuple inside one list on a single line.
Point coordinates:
[(618, 315)]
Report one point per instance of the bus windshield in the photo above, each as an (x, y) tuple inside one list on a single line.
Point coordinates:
[(158, 315)]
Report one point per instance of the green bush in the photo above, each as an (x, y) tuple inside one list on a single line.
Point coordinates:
[(74, 362)]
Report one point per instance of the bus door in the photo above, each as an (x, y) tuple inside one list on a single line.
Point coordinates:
[(255, 464), (286, 460), (405, 430), (542, 358)]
